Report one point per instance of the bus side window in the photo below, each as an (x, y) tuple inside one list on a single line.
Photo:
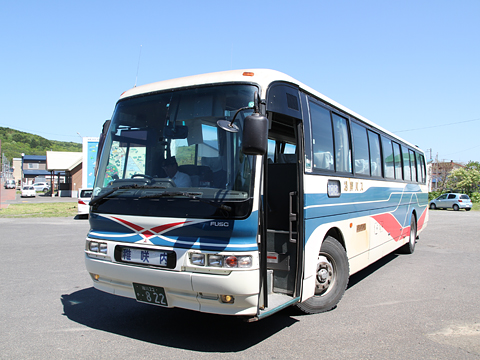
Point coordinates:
[(322, 135), (397, 154), (406, 164), (343, 153), (420, 168), (360, 154), (375, 157), (388, 159), (413, 167)]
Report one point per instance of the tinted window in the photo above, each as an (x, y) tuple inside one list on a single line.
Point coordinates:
[(464, 197), (406, 164), (443, 197), (452, 196), (322, 137), (86, 193), (413, 167), (398, 161), (375, 156), (420, 168), (343, 157), (388, 159), (360, 155)]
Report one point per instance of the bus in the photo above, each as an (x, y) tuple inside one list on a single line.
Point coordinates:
[(245, 192)]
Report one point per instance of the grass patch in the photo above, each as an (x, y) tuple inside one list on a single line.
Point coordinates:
[(60, 209)]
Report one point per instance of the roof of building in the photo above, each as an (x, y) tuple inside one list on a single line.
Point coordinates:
[(34, 158), (38, 172), (63, 160)]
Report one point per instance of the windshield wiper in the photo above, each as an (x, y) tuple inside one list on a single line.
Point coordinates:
[(114, 189), (190, 195)]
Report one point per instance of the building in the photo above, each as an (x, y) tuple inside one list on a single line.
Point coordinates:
[(439, 173), (65, 170), (17, 170), (34, 168)]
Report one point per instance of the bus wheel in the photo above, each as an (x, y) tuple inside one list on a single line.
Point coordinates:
[(409, 247), (332, 278)]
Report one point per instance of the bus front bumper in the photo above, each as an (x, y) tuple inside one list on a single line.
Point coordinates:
[(183, 289)]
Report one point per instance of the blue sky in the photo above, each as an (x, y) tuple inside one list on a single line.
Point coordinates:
[(410, 66)]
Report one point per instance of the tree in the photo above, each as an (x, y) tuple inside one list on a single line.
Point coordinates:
[(465, 179), (473, 165)]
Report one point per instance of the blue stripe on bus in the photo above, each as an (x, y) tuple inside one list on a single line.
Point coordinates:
[(399, 202), (213, 235)]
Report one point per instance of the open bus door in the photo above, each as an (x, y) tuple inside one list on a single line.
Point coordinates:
[(281, 248)]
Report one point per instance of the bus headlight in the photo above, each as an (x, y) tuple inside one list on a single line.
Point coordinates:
[(215, 260), (197, 259), (97, 247), (221, 261), (103, 248), (93, 246)]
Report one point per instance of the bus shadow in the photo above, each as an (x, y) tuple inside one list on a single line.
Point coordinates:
[(174, 328), (369, 270)]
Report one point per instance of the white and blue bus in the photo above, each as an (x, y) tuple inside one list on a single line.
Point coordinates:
[(244, 192)]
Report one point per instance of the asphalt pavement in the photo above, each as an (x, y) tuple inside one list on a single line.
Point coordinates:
[(420, 306), (10, 196)]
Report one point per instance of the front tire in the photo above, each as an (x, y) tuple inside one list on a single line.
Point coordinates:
[(331, 279), (433, 206)]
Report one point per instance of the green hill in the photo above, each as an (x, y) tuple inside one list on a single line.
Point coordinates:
[(15, 142)]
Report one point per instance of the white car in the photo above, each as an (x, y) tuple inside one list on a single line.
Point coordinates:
[(41, 186), (10, 184), (84, 196), (455, 201), (28, 191)]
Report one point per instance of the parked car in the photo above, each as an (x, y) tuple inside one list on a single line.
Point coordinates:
[(452, 200), (41, 186), (84, 196), (28, 191), (10, 184)]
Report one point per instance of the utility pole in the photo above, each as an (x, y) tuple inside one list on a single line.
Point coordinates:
[(2, 176)]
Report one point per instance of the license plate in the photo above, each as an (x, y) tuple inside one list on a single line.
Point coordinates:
[(144, 256), (150, 294)]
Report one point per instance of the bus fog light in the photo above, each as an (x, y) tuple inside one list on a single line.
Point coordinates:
[(197, 259), (215, 260), (227, 299), (244, 261), (103, 248), (95, 276)]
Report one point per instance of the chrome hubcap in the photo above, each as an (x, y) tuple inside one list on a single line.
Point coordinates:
[(325, 275)]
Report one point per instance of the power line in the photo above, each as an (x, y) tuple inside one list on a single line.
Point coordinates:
[(456, 152), (436, 126)]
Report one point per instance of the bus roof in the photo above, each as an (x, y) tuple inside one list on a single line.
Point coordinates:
[(262, 77)]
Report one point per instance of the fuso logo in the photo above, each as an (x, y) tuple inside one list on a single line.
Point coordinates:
[(220, 223)]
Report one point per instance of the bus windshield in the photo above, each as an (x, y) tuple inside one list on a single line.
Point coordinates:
[(165, 156)]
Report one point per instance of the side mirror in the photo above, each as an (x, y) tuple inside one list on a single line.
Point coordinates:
[(255, 135)]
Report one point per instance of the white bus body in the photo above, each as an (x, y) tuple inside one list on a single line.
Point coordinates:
[(248, 231)]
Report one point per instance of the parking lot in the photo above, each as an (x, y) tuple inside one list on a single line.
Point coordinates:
[(420, 306)]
